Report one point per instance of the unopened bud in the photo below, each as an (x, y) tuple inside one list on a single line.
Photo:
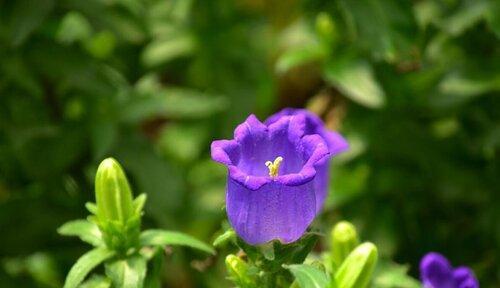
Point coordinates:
[(344, 240), (113, 194), (239, 271), (357, 269), (118, 217)]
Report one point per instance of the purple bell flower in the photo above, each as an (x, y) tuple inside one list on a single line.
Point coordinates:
[(271, 189), (335, 142), (437, 272)]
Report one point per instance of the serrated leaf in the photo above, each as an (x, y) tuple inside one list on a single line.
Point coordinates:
[(127, 273), (355, 79), (163, 238), (308, 276), (85, 230), (85, 264)]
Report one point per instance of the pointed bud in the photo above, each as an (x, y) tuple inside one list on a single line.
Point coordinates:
[(118, 216), (113, 194), (239, 271), (357, 269), (344, 240)]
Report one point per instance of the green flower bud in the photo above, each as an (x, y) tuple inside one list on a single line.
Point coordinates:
[(357, 269), (239, 271), (113, 194), (344, 240), (118, 217)]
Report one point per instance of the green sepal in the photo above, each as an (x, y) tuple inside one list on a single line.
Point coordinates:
[(357, 269), (139, 203), (119, 236), (129, 272), (227, 236), (271, 256), (91, 207)]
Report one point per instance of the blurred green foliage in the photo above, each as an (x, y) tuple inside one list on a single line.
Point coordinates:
[(414, 85)]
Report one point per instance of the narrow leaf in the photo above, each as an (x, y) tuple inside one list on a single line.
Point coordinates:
[(85, 264), (96, 282), (85, 230), (162, 238), (308, 276)]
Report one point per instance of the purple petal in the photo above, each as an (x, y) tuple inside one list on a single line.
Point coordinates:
[(464, 278), (263, 208), (336, 144), (436, 271), (314, 125), (274, 211)]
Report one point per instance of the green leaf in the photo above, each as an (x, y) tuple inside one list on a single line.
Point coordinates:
[(74, 27), (299, 56), (174, 103), (96, 281), (355, 79), (162, 51), (127, 273), (183, 142), (27, 16), (493, 17), (308, 276), (101, 45), (162, 238), (389, 275), (466, 17), (155, 268), (85, 264), (85, 230)]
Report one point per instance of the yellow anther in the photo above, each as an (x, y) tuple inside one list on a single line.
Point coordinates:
[(274, 166)]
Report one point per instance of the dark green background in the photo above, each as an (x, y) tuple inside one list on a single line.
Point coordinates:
[(413, 85)]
